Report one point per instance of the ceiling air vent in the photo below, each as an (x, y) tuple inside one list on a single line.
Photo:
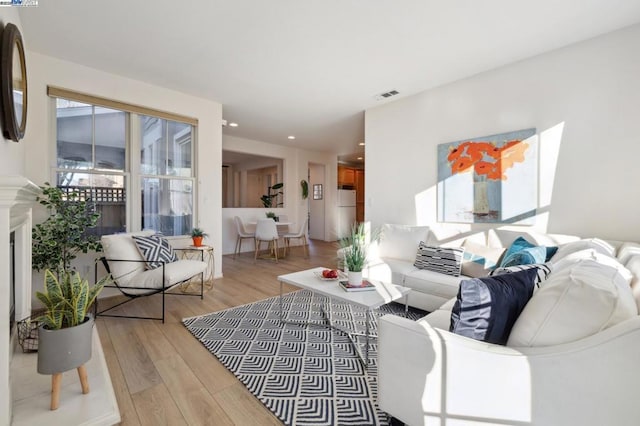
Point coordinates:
[(386, 95)]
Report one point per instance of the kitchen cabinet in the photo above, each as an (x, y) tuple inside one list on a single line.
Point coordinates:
[(346, 176)]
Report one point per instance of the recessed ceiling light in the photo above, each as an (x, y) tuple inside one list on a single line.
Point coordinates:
[(232, 124), (291, 137), (361, 144), (359, 158)]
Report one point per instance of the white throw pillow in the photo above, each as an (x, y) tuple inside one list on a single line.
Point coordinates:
[(592, 254), (401, 241), (593, 243), (576, 302)]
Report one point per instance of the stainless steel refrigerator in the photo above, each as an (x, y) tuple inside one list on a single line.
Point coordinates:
[(346, 211)]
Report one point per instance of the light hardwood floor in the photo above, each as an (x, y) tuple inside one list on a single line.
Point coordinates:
[(163, 375)]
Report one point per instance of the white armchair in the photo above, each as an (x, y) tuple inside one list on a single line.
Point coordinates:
[(134, 278)]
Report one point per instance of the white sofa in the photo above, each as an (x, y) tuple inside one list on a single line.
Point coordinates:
[(392, 257), (430, 376)]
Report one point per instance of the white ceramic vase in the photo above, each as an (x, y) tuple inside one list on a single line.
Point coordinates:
[(354, 278)]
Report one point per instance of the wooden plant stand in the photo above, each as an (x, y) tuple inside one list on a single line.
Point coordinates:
[(56, 383)]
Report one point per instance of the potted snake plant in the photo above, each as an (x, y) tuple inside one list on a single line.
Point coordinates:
[(64, 336), (197, 235)]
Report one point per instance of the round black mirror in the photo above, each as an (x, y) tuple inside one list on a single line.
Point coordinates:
[(13, 84)]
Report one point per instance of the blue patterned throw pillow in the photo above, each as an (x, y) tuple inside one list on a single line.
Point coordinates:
[(155, 249), (487, 308)]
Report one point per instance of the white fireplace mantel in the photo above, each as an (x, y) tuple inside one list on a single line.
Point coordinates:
[(17, 197)]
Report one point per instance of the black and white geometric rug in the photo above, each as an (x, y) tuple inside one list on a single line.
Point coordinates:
[(306, 375)]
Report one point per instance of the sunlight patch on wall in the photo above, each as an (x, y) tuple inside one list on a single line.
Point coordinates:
[(550, 140), (425, 203)]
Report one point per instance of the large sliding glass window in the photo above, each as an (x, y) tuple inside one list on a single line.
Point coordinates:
[(94, 157)]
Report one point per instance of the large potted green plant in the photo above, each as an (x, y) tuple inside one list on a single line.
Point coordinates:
[(64, 234), (64, 336)]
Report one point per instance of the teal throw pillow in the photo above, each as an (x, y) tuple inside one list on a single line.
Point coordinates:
[(527, 256), (539, 254)]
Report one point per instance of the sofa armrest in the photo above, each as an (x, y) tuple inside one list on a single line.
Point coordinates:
[(427, 375)]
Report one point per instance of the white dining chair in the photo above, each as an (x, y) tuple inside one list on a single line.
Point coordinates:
[(281, 228), (242, 234), (266, 231), (300, 235)]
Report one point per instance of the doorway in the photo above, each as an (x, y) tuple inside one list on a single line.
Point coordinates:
[(317, 198)]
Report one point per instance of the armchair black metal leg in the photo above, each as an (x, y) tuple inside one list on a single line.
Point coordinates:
[(147, 292)]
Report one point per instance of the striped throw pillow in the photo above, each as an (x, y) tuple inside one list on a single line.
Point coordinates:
[(544, 270), (156, 250), (445, 260)]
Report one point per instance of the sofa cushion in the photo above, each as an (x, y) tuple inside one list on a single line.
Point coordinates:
[(401, 241), (505, 236), (486, 308), (391, 270), (425, 281), (155, 249), (479, 260), (123, 247), (444, 260), (454, 238), (174, 273), (543, 271), (575, 302), (441, 317), (592, 243), (523, 251), (626, 251), (633, 265)]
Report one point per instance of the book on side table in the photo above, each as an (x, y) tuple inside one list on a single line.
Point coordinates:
[(366, 286)]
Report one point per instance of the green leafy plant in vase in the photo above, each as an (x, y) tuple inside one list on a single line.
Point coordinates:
[(355, 249), (270, 199), (271, 215)]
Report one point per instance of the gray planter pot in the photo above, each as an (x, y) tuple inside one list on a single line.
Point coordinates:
[(64, 349)]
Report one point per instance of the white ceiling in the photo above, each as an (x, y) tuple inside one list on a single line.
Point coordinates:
[(309, 68)]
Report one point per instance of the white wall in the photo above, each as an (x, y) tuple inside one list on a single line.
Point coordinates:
[(39, 141), (296, 163), (585, 97)]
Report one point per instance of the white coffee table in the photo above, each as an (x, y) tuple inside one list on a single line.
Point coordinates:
[(369, 300)]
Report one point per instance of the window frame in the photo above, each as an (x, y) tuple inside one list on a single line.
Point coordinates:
[(132, 174)]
